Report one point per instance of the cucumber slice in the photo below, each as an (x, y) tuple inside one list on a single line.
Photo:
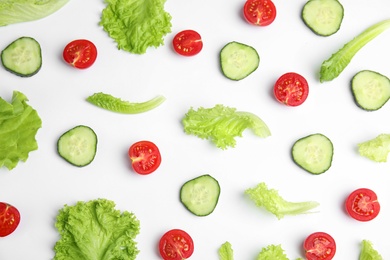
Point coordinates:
[(200, 195), (313, 153), (371, 90), (323, 17), (78, 145), (238, 60), (22, 57)]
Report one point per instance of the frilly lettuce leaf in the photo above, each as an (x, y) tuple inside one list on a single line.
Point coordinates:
[(376, 149), (222, 124), (19, 123), (225, 251), (136, 25), (274, 252), (17, 11), (96, 230), (368, 252)]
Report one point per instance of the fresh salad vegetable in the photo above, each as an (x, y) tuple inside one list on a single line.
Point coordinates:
[(274, 203), (22, 57), (368, 252), (319, 245), (145, 157), (225, 251), (200, 195), (331, 68), (187, 43), (313, 153), (362, 204), (291, 89), (78, 145), (238, 60), (376, 149), (370, 89), (17, 11), (19, 126), (176, 244), (259, 12), (221, 124), (9, 219), (274, 252), (136, 25), (96, 230), (80, 53), (323, 17), (114, 104)]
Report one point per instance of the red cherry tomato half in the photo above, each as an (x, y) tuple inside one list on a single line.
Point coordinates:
[(319, 245), (145, 157), (259, 12), (291, 89), (9, 219), (176, 244), (362, 204), (187, 43), (80, 53)]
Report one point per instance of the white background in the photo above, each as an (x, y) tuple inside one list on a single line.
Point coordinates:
[(43, 184)]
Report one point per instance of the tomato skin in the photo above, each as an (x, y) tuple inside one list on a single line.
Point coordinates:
[(187, 43), (319, 246), (176, 244), (362, 204), (291, 89), (145, 157), (259, 12), (80, 53), (9, 219)]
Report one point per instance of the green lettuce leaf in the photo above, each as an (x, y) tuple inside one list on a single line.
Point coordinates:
[(19, 124), (136, 25), (225, 251), (96, 230), (274, 252), (17, 11), (368, 252), (376, 149), (222, 124)]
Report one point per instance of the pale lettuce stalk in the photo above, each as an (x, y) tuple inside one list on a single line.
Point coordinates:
[(376, 149), (274, 203), (274, 252), (331, 68), (17, 11), (225, 251), (368, 252)]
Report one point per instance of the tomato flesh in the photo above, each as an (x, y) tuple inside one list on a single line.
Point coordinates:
[(187, 43), (145, 157), (259, 12), (9, 219), (291, 89), (176, 244), (319, 246), (362, 204), (80, 53)]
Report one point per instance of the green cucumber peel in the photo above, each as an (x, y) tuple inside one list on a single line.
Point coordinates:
[(114, 104)]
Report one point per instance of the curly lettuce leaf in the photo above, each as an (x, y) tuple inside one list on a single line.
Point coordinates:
[(222, 124), (274, 252), (225, 251), (17, 11), (136, 25), (96, 230), (376, 149), (19, 125), (274, 203), (368, 252)]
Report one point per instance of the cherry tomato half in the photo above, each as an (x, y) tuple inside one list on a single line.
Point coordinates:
[(187, 43), (259, 12), (176, 244), (145, 157), (362, 204), (9, 219), (319, 245), (80, 53), (291, 89)]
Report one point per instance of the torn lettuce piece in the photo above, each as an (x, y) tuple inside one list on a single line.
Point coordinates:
[(376, 149), (225, 251), (274, 252), (368, 252)]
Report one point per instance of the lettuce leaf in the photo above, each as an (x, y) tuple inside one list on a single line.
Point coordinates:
[(19, 124), (225, 251), (368, 252), (376, 149), (17, 11), (96, 230), (274, 252), (222, 124), (136, 25)]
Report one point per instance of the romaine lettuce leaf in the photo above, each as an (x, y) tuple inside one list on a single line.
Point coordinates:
[(19, 123), (376, 149), (17, 11), (274, 252), (136, 25), (368, 252), (96, 230), (225, 251)]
